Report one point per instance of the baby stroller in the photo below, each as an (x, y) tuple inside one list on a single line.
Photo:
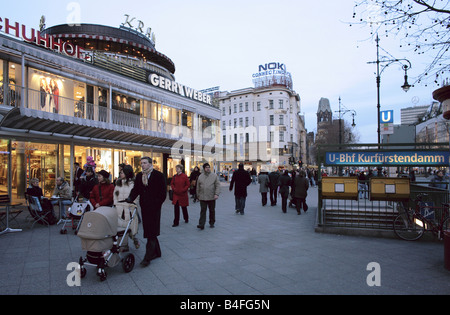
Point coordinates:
[(75, 215), (102, 239)]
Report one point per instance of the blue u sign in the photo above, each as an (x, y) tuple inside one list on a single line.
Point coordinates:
[(387, 117)]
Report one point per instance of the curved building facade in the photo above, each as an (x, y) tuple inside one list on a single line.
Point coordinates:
[(67, 93)]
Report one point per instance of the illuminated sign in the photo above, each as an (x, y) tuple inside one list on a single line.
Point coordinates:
[(407, 158), (387, 122), (172, 86), (139, 27), (387, 117), (46, 41), (268, 69)]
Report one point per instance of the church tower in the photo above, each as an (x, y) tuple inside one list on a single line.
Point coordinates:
[(324, 114)]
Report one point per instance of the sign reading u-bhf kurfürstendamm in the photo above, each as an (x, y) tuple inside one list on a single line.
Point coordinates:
[(405, 158)]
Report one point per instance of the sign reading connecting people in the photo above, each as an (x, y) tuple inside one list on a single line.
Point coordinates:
[(406, 158)]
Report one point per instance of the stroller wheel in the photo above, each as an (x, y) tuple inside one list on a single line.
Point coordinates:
[(63, 231), (83, 272), (128, 263), (102, 274)]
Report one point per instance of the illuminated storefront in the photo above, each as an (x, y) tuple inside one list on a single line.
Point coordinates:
[(59, 105)]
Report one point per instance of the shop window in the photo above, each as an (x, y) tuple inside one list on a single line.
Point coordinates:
[(1, 83), (14, 81)]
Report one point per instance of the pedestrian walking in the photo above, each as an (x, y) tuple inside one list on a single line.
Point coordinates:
[(241, 179), (193, 180), (180, 185), (284, 182), (263, 180), (273, 186), (208, 191), (150, 186), (123, 186), (300, 189)]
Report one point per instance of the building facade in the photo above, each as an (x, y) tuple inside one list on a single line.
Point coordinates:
[(262, 126), (91, 90)]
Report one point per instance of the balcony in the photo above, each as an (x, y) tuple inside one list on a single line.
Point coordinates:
[(81, 120)]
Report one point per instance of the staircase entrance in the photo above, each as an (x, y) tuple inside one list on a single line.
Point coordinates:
[(352, 203)]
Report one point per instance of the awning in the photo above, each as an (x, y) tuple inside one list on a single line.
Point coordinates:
[(16, 122)]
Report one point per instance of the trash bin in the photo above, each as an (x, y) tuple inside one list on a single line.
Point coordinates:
[(447, 249)]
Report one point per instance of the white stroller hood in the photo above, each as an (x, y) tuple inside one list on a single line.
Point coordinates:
[(99, 224)]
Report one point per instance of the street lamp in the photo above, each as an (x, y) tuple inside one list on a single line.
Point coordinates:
[(341, 113), (406, 86)]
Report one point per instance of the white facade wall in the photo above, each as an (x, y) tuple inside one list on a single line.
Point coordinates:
[(270, 117)]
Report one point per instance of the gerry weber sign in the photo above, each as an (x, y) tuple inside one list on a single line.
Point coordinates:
[(172, 86), (406, 158)]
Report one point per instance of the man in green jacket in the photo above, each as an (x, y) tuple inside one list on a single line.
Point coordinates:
[(208, 190)]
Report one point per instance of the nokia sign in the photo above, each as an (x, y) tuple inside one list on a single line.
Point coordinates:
[(272, 66), (270, 69)]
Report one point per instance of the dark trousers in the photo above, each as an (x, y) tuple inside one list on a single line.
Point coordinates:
[(176, 211), (152, 249), (264, 198), (240, 203), (273, 196), (204, 204), (298, 204), (284, 202)]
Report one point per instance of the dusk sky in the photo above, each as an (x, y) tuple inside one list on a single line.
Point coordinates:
[(222, 43)]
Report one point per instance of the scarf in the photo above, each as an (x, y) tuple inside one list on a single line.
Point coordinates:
[(145, 174)]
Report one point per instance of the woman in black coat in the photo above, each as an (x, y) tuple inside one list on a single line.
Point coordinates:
[(150, 186)]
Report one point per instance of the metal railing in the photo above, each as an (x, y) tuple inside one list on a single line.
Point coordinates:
[(43, 102), (364, 213)]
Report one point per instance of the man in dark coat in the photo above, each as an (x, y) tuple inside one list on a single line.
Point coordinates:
[(273, 179), (300, 190), (150, 186), (241, 179), (284, 182)]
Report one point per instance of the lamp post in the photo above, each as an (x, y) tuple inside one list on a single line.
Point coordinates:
[(341, 113), (406, 86)]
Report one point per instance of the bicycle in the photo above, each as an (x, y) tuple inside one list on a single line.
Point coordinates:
[(411, 224)]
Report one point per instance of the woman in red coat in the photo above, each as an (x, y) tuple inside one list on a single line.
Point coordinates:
[(103, 193), (180, 185)]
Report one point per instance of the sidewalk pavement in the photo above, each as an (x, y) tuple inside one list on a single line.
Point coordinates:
[(264, 252)]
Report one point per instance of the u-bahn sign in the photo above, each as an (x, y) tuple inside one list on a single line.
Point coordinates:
[(401, 158)]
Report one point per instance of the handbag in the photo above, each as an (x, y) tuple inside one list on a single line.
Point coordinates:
[(171, 195)]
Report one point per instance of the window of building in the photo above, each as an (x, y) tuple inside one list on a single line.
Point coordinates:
[(258, 106), (240, 107), (281, 136), (270, 104), (235, 108), (271, 118), (246, 106), (280, 102), (281, 119)]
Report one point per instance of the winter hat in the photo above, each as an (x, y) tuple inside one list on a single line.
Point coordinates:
[(104, 173)]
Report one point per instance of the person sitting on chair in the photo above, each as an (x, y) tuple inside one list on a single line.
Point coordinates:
[(63, 191)]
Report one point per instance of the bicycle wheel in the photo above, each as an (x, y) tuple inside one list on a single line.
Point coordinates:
[(407, 227), (446, 225)]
